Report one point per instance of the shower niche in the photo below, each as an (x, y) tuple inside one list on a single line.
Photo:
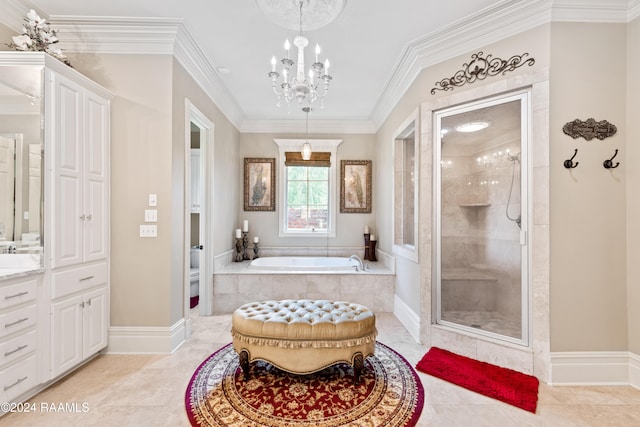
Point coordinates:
[(481, 273)]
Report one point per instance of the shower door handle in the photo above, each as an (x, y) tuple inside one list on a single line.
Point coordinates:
[(523, 238)]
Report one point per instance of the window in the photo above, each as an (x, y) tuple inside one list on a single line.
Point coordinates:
[(307, 198), (405, 189), (307, 189)]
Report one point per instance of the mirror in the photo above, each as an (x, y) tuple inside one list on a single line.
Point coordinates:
[(21, 159), (481, 191)]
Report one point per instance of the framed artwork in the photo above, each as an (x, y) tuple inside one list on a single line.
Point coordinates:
[(355, 186), (259, 184)]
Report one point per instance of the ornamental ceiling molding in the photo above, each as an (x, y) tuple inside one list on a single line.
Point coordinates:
[(315, 13)]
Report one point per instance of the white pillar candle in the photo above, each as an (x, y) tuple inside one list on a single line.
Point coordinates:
[(256, 239), (238, 235), (373, 237), (245, 225), (366, 229)]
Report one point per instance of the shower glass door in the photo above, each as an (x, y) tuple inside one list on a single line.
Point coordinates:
[(481, 272)]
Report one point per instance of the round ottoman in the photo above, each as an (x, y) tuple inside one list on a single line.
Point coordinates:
[(304, 336)]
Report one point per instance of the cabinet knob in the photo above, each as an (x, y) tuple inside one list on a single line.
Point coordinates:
[(89, 302), (89, 217), (81, 304)]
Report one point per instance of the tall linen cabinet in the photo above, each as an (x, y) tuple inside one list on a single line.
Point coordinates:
[(77, 121)]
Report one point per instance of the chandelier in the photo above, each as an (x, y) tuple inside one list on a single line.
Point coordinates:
[(303, 86)]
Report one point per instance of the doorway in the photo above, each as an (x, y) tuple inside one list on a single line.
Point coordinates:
[(198, 232), (482, 280)]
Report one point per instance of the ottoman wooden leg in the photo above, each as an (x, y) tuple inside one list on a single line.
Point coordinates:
[(358, 366), (244, 363)]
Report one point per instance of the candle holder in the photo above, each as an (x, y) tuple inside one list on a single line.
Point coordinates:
[(245, 245), (367, 236), (372, 250), (238, 257), (256, 249)]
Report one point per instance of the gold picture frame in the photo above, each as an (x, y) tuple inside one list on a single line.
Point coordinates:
[(259, 184), (355, 186)]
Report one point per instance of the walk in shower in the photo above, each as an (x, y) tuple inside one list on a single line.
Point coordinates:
[(481, 275)]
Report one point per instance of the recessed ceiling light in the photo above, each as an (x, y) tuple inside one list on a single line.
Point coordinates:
[(472, 126)]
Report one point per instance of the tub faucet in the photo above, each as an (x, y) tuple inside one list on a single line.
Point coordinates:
[(360, 266)]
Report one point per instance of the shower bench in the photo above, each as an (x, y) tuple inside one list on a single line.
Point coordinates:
[(304, 336)]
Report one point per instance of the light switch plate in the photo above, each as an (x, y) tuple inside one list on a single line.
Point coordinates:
[(153, 200), (150, 215), (148, 230)]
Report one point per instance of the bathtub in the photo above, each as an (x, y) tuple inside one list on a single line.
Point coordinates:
[(301, 264)]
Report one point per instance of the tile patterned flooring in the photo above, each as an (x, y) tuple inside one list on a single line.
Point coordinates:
[(148, 390)]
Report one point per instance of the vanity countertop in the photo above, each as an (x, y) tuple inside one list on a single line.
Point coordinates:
[(18, 265)]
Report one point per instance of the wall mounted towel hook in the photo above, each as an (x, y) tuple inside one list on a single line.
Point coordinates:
[(608, 164), (569, 163)]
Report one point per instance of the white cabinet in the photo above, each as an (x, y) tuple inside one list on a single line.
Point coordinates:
[(79, 315), (195, 180), (18, 336), (79, 152)]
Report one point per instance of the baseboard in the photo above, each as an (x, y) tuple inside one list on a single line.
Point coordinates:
[(409, 318), (595, 368), (634, 370), (146, 339)]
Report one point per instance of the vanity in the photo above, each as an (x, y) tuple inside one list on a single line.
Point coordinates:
[(54, 221)]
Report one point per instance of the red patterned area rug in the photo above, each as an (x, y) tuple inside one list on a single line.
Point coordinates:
[(503, 384), (389, 394)]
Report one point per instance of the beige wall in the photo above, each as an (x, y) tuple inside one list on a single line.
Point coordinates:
[(588, 210), (633, 177), (349, 227), (141, 163)]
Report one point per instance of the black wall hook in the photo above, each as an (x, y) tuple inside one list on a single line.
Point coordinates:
[(569, 163), (608, 164)]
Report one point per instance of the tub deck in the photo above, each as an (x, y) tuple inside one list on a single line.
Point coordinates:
[(236, 284)]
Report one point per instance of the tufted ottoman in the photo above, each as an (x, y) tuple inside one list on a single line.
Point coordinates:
[(304, 336)]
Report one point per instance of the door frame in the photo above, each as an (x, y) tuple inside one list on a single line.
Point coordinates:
[(194, 115)]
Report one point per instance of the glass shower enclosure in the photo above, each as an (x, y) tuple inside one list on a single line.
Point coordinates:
[(481, 214)]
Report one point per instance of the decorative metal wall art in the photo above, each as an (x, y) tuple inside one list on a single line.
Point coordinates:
[(589, 129), (480, 68)]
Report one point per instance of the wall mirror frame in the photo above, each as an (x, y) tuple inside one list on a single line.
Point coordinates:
[(21, 137), (482, 199), (406, 161)]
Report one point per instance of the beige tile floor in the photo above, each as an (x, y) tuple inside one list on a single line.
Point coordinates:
[(148, 390)]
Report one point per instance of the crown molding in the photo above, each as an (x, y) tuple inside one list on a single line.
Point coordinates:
[(13, 13), (143, 36), (202, 69), (342, 126), (634, 9), (117, 35), (495, 23)]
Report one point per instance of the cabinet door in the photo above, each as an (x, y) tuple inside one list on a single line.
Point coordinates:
[(66, 334), (95, 320), (66, 148), (96, 167)]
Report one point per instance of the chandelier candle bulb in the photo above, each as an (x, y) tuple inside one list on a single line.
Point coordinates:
[(317, 51), (273, 63), (287, 46)]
